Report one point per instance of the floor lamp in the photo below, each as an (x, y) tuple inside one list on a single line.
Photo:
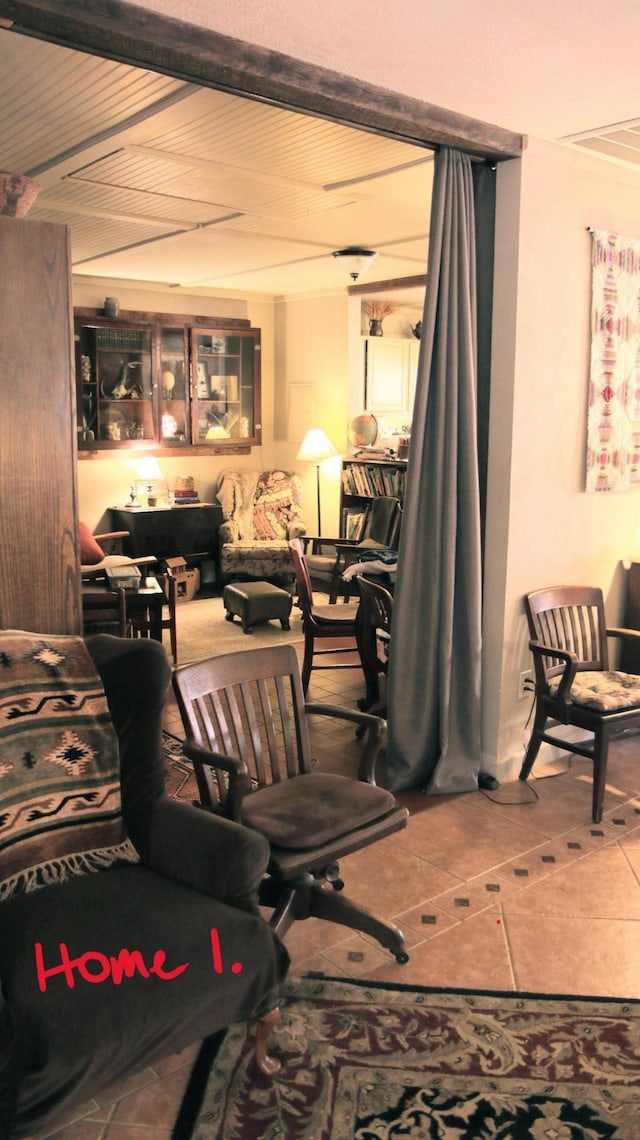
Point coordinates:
[(316, 446)]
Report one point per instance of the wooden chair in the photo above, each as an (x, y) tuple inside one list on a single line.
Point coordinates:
[(573, 682), (327, 558), (373, 634), (321, 623), (104, 611), (145, 623), (248, 736)]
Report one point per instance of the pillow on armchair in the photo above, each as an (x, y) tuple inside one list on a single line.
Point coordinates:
[(90, 551)]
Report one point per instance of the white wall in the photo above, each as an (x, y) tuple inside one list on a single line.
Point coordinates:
[(312, 369), (543, 529)]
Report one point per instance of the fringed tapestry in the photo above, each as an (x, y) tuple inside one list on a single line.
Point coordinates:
[(613, 425), (60, 810)]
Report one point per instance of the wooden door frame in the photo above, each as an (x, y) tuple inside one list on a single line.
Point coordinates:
[(115, 29)]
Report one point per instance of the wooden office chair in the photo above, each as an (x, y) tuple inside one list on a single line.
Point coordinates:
[(322, 623), (573, 682), (247, 726)]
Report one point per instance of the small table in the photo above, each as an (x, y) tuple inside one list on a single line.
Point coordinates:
[(148, 600)]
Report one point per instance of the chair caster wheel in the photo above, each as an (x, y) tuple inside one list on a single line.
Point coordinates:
[(401, 957), (338, 884)]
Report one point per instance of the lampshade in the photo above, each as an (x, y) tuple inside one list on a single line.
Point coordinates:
[(355, 259), (148, 470), (316, 446)]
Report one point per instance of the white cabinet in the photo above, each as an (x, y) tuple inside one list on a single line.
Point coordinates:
[(389, 370)]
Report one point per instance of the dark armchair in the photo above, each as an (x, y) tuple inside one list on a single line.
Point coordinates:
[(107, 964)]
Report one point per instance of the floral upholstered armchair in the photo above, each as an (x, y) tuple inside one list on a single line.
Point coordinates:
[(262, 512)]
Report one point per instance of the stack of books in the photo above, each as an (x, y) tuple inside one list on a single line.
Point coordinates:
[(183, 498), (185, 492)]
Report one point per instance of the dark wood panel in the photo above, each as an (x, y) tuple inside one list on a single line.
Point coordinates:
[(190, 532), (39, 571), (630, 654), (126, 32)]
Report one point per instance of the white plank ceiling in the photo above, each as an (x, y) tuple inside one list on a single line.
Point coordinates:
[(163, 182)]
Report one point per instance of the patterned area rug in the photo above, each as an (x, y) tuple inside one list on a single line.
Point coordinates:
[(376, 1062)]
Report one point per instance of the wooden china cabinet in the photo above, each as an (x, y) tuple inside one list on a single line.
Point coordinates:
[(166, 383)]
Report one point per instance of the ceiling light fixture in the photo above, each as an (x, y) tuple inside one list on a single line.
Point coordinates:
[(356, 260)]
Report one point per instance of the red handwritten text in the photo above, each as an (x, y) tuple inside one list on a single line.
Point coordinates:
[(95, 967)]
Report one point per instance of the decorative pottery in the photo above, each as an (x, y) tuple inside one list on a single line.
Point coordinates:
[(17, 194), (375, 327), (417, 330)]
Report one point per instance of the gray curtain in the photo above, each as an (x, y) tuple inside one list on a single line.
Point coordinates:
[(434, 678)]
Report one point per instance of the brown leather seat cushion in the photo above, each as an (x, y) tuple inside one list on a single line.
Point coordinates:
[(314, 809)]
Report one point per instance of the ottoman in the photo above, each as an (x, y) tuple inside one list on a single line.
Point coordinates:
[(255, 602)]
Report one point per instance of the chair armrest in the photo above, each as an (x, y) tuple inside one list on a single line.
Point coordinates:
[(112, 534), (237, 771), (228, 531), (375, 740), (296, 530), (89, 573), (207, 852), (620, 631), (570, 666)]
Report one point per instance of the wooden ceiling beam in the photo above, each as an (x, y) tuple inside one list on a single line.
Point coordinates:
[(125, 32)]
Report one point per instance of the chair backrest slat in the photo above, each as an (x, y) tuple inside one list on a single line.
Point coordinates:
[(249, 706), (570, 618)]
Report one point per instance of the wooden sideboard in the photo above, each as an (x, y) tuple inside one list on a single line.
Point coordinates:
[(190, 532)]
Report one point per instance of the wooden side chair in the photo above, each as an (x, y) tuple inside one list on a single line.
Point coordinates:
[(144, 623), (104, 611), (327, 558), (573, 682), (375, 613), (321, 623), (247, 728)]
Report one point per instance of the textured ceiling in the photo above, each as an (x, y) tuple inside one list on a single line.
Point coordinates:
[(548, 68), (164, 182)]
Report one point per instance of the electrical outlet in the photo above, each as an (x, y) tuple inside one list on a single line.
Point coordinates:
[(526, 684)]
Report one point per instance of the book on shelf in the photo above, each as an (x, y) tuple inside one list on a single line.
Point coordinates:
[(354, 523)]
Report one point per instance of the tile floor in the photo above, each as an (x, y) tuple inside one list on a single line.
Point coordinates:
[(493, 890)]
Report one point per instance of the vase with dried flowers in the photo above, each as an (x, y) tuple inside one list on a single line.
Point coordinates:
[(376, 311)]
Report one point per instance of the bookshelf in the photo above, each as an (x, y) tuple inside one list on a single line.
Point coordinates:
[(362, 480)]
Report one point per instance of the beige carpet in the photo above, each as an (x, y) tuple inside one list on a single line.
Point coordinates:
[(204, 632)]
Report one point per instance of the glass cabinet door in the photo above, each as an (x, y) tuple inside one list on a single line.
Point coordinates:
[(174, 387), (224, 386), (115, 370)]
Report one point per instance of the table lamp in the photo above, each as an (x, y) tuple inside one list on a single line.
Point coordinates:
[(316, 446), (150, 481)]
